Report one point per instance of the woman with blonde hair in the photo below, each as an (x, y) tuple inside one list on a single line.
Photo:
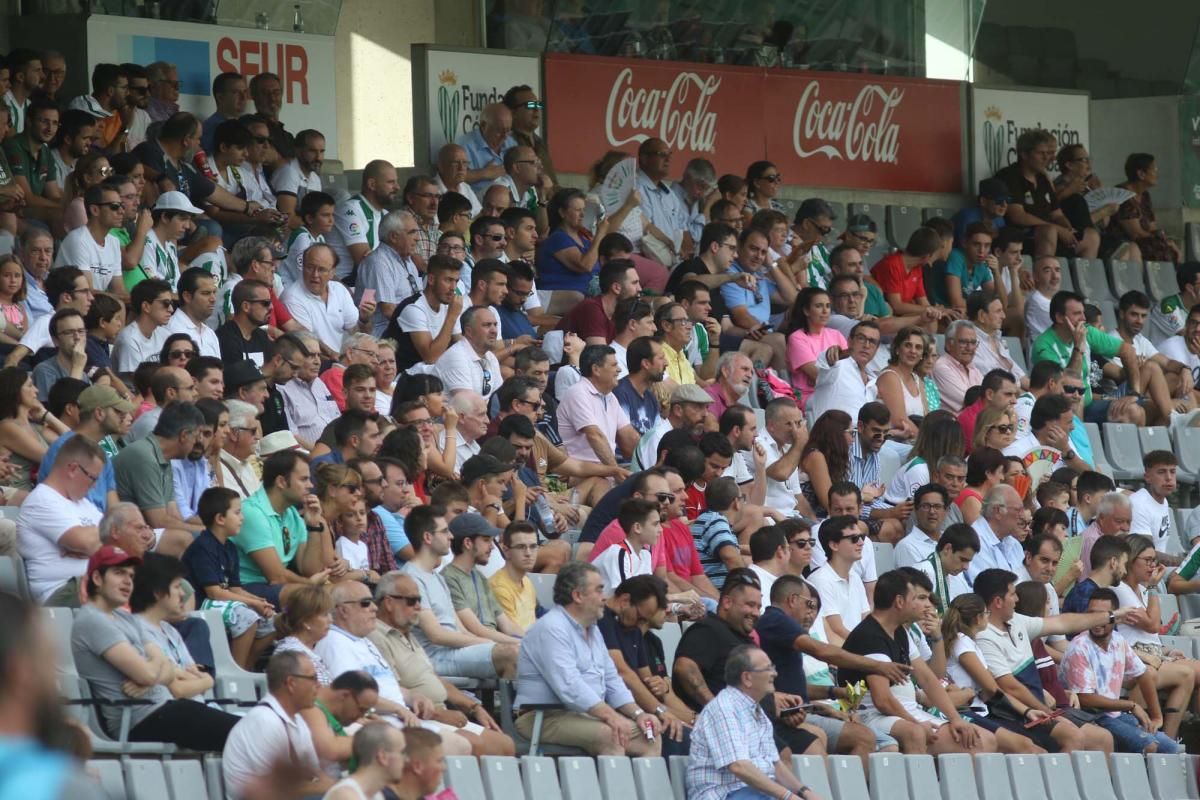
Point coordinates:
[(304, 621), (996, 428)]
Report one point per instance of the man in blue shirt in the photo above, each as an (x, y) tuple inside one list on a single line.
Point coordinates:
[(992, 204), (750, 308), (104, 416), (486, 146)]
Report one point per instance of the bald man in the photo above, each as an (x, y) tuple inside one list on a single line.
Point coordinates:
[(487, 144), (451, 176), (356, 222)]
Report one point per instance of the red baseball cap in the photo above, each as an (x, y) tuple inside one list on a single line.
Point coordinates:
[(110, 556)]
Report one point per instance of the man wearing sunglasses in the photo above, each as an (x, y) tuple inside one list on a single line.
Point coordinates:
[(137, 101), (813, 222), (93, 247), (844, 600), (526, 110)]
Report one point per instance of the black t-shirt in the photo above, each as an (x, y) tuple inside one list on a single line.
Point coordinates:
[(1037, 198), (236, 348), (869, 638), (606, 510), (184, 177), (273, 418), (629, 641), (777, 634), (684, 270), (708, 643)]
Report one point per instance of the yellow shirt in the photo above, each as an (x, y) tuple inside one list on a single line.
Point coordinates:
[(518, 601), (679, 368)]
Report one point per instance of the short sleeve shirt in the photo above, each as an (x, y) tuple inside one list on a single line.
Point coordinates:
[(707, 643), (38, 170), (868, 638), (1037, 198), (642, 411), (435, 596), (1090, 669), (894, 277), (1048, 347), (472, 592), (143, 475), (583, 406), (210, 562), (1010, 651), (712, 534), (629, 641), (263, 527), (94, 634), (588, 320), (777, 633)]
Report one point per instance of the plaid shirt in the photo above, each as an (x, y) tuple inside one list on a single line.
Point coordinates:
[(427, 236), (379, 552), (730, 728)]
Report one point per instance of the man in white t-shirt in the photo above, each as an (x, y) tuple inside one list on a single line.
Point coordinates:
[(299, 176), (845, 499), (426, 324), (1185, 347), (640, 520), (844, 599), (470, 363), (1151, 514), (58, 527), (1169, 382), (1047, 280), (273, 734), (197, 299), (92, 247), (929, 509)]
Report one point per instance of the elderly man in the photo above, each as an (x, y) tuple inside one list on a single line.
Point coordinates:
[(323, 305), (273, 734), (564, 661), (309, 404), (735, 372), (237, 456), (57, 528), (451, 175), (784, 438), (524, 180), (421, 200), (356, 224), (591, 422), (389, 270), (1114, 517), (687, 409), (733, 750), (486, 145), (36, 254), (698, 182), (472, 425), (471, 364), (997, 527), (164, 90), (300, 175), (667, 214), (399, 607), (955, 371), (452, 650)]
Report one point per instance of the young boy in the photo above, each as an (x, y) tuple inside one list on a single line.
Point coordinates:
[(511, 585), (352, 526), (642, 525), (1053, 494), (212, 565), (317, 211)]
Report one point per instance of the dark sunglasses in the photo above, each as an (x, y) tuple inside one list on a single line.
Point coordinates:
[(111, 206), (496, 237), (181, 353), (1006, 428), (354, 487), (532, 104), (664, 497), (366, 602), (408, 599), (744, 578), (801, 543), (854, 538), (1072, 390)]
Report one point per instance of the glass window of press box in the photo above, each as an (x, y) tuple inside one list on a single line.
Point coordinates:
[(309, 16)]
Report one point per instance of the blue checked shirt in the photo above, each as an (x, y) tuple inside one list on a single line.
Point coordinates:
[(864, 469), (560, 662), (730, 728)]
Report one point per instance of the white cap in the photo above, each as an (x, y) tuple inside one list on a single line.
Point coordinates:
[(277, 441), (176, 201)]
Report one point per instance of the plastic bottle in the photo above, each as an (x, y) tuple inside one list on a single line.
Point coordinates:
[(546, 514), (297, 19)]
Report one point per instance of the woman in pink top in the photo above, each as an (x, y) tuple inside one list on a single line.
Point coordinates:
[(808, 338)]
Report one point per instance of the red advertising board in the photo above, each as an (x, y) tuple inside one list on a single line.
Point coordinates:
[(821, 129)]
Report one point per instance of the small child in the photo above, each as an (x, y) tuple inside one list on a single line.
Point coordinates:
[(1053, 494), (317, 211), (213, 568), (352, 525)]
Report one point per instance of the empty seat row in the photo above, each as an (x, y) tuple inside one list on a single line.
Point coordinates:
[(155, 779)]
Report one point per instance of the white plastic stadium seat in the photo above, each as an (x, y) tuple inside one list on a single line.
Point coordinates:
[(577, 778)]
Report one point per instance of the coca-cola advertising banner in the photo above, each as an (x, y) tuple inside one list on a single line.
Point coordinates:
[(820, 129)]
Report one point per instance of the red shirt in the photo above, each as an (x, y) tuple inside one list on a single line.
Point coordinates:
[(588, 319), (279, 315), (966, 418), (695, 502), (333, 378), (894, 277)]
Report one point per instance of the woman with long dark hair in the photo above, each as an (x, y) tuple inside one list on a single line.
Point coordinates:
[(899, 387), (826, 457), (986, 468), (809, 338), (762, 185), (940, 435), (26, 429)]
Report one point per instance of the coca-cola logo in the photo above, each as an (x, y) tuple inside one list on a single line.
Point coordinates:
[(853, 130), (679, 115)]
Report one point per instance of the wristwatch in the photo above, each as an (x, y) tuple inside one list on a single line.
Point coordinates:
[(1069, 455), (660, 710), (314, 528)]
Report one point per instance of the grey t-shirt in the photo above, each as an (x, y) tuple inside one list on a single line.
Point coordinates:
[(435, 595), (166, 638), (93, 635)]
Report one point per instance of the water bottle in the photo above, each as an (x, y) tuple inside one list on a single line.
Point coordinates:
[(546, 514), (297, 19)]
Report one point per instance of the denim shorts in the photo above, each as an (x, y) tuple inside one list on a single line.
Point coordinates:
[(1129, 737)]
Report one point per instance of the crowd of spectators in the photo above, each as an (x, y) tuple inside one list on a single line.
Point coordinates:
[(353, 427)]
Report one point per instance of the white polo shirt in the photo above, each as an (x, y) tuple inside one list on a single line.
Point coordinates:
[(265, 736), (131, 348), (618, 562), (781, 495), (328, 319), (204, 336), (79, 249), (842, 597), (460, 367), (914, 547), (864, 568), (291, 179)]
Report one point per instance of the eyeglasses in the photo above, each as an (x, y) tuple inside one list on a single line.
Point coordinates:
[(373, 355), (1149, 561), (1072, 389), (533, 161), (91, 478), (312, 678), (495, 237), (776, 178), (931, 507), (77, 332), (801, 543), (854, 538), (264, 304), (409, 599), (114, 206), (677, 321), (172, 84), (365, 602), (764, 669), (532, 105), (870, 340), (659, 153), (966, 342), (165, 302), (1005, 428), (664, 498), (531, 404)]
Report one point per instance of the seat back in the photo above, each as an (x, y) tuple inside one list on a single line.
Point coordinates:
[(110, 777), (678, 767), (991, 777), (501, 777), (1126, 277), (1097, 442), (543, 587), (616, 777), (846, 776), (1123, 449), (231, 682), (1068, 278), (578, 780), (1187, 448), (540, 778), (1191, 231), (1059, 776), (1026, 775), (462, 775), (185, 778), (144, 779), (215, 777), (669, 635), (1016, 351), (811, 772), (651, 779), (888, 776), (1155, 437), (1168, 776), (12, 576), (1090, 278), (902, 221), (1161, 279), (930, 212), (1129, 776), (1091, 775), (885, 557), (956, 777), (922, 777)]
